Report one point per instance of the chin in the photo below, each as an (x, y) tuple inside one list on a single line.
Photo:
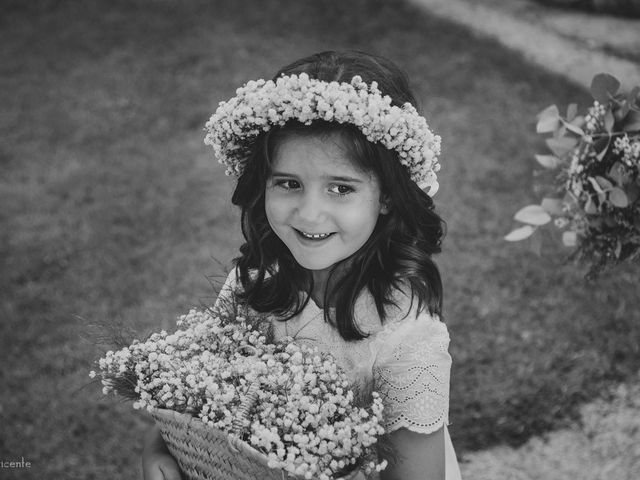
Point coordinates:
[(311, 265)]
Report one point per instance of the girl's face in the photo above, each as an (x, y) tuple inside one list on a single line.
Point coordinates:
[(318, 202)]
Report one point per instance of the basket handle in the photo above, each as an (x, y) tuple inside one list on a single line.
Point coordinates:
[(248, 402), (245, 407)]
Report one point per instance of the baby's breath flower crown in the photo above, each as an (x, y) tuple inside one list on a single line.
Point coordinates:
[(260, 105)]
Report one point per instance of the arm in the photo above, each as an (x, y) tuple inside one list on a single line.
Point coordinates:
[(420, 456), (157, 462)]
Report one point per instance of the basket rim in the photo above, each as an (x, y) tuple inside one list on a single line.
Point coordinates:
[(193, 422)]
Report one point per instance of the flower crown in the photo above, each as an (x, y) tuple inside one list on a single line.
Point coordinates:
[(260, 105)]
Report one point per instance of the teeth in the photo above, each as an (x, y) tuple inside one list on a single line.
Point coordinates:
[(315, 236)]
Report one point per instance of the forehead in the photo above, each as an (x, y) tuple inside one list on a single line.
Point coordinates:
[(310, 155)]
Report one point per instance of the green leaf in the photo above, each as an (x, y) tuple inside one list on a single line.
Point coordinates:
[(625, 106), (569, 199), (590, 207), (520, 233), (633, 193), (572, 111), (602, 197), (561, 146), (596, 186), (569, 239), (632, 122), (617, 173), (578, 121), (632, 96), (609, 121), (553, 206), (604, 183), (533, 215), (536, 244), (604, 87), (618, 197), (561, 132), (604, 150), (574, 128), (618, 248), (548, 161), (548, 120)]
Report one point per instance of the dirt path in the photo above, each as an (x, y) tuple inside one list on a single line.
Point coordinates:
[(574, 44), (605, 446)]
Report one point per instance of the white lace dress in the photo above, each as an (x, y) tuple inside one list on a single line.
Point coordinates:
[(406, 358)]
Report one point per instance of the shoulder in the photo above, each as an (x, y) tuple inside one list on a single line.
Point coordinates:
[(233, 283), (402, 312), (227, 300), (230, 296), (410, 333), (405, 312)]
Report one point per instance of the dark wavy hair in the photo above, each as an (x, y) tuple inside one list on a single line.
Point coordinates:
[(398, 253)]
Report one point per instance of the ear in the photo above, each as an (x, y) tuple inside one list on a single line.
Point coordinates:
[(385, 205)]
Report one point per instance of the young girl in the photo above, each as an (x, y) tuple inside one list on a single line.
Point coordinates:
[(333, 162)]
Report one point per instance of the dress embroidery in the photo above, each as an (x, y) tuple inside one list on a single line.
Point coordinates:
[(412, 373)]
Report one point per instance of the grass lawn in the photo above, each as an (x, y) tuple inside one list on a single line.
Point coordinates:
[(114, 212)]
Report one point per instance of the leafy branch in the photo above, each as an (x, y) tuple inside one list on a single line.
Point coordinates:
[(595, 159)]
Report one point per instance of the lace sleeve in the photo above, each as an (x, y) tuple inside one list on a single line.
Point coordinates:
[(411, 371)]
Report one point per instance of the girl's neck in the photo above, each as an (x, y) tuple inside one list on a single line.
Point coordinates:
[(322, 279)]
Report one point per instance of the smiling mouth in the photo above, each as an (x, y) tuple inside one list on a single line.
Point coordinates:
[(313, 236)]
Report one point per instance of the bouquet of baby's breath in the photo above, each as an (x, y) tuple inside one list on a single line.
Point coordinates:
[(595, 161), (302, 415)]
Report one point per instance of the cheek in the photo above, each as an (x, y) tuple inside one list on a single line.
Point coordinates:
[(361, 219), (269, 208), (274, 208)]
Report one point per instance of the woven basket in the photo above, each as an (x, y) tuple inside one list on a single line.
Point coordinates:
[(207, 453)]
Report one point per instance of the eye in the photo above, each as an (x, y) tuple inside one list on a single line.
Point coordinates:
[(341, 190), (287, 184)]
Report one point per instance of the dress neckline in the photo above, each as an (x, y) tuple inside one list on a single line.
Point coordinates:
[(313, 305)]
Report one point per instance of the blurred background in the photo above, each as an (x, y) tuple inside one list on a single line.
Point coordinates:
[(115, 217)]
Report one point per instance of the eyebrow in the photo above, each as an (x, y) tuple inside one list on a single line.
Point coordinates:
[(327, 177)]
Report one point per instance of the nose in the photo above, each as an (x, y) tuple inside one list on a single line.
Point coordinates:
[(311, 208)]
